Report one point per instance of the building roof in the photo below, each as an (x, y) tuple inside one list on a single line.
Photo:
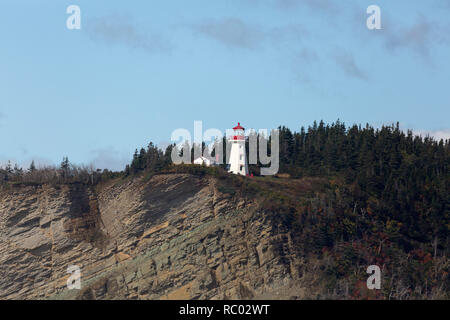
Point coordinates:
[(238, 127)]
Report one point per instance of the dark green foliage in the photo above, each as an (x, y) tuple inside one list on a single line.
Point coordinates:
[(151, 160)]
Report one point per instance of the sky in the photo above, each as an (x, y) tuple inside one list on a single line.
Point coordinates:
[(138, 70)]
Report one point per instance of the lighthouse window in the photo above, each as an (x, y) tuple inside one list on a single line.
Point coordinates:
[(241, 168), (240, 157)]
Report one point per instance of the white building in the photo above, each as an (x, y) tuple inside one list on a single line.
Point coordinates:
[(204, 161), (238, 159)]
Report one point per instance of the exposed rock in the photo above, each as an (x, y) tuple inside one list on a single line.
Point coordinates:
[(172, 237)]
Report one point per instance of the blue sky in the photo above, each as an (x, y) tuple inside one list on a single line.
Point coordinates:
[(137, 70)]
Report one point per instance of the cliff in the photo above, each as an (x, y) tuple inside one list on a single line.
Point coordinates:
[(174, 236)]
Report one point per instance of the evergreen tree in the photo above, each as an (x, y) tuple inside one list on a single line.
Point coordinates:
[(32, 167)]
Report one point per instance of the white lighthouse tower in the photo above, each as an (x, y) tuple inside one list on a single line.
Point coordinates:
[(238, 158)]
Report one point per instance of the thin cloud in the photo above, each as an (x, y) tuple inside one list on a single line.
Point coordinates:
[(232, 32), (308, 55), (443, 4), (120, 30), (296, 32), (418, 37), (346, 61), (236, 33), (303, 64)]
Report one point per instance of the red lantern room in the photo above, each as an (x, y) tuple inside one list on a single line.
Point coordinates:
[(238, 132)]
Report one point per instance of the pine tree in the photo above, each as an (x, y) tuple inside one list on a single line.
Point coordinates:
[(32, 167), (65, 168), (9, 169)]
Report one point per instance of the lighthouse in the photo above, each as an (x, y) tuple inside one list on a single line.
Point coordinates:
[(238, 158)]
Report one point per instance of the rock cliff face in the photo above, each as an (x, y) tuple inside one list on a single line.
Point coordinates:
[(172, 237)]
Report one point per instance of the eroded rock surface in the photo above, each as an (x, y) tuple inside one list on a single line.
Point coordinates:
[(172, 237)]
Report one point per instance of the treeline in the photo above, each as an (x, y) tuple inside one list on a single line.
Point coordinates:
[(65, 173), (361, 152), (323, 150), (152, 159)]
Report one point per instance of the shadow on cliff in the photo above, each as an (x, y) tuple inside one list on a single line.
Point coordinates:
[(84, 221)]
